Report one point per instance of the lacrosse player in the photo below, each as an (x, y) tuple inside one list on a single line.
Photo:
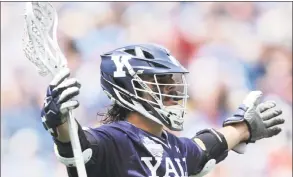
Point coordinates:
[(149, 92)]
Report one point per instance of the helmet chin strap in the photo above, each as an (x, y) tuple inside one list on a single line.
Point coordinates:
[(174, 114), (171, 111)]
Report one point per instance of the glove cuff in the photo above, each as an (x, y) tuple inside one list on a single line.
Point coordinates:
[(238, 117)]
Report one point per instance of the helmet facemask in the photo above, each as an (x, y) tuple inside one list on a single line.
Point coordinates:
[(165, 96)]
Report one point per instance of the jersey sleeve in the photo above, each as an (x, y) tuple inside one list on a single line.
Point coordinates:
[(195, 156), (99, 143)]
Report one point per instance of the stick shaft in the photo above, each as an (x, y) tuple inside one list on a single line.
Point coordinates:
[(76, 148)]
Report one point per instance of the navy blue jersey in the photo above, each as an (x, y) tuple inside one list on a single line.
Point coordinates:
[(122, 150)]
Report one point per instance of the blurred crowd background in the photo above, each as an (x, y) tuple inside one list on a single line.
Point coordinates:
[(228, 47)]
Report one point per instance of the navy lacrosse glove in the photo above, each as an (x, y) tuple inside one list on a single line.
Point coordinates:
[(261, 119), (58, 101)]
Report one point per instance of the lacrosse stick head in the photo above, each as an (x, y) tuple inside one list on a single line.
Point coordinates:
[(40, 44)]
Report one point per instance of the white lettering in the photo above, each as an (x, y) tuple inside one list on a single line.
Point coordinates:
[(180, 166), (120, 62), (170, 170), (170, 167), (184, 160), (153, 169)]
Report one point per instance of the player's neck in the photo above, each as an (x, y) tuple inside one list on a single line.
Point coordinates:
[(145, 124)]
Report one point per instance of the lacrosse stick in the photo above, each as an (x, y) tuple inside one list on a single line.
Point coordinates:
[(42, 49)]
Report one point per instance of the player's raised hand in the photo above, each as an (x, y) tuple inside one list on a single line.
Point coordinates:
[(262, 119), (59, 100)]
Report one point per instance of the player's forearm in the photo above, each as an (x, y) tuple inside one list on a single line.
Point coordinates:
[(235, 134), (63, 133), (64, 150), (63, 140)]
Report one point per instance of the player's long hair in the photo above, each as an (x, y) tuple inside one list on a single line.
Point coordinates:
[(117, 112), (114, 114)]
